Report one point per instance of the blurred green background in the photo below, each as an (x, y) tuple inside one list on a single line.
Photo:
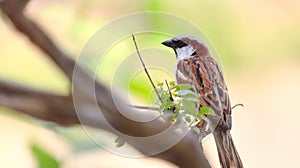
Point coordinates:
[(259, 45)]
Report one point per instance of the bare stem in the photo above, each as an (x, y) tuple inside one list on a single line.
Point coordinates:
[(171, 97), (145, 69), (239, 104)]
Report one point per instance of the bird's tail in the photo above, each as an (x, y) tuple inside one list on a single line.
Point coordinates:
[(228, 155)]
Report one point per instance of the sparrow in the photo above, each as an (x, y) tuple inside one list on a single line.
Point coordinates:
[(195, 66)]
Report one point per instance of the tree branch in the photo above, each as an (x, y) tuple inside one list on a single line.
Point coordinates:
[(42, 105), (60, 109)]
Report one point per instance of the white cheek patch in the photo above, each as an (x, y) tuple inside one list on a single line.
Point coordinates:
[(184, 52)]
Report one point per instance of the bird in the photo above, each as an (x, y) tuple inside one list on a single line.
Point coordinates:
[(196, 66)]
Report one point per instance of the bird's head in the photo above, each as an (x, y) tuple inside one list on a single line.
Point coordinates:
[(186, 46)]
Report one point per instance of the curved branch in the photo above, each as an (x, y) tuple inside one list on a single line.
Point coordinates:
[(42, 105), (60, 109)]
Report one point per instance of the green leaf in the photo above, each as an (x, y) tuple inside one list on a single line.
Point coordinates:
[(191, 100), (165, 95), (166, 105), (198, 117), (188, 105), (182, 87), (206, 110), (119, 142), (45, 160), (172, 83), (160, 84), (187, 95), (182, 93), (187, 119)]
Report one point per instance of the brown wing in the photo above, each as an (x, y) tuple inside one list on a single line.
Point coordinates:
[(206, 76)]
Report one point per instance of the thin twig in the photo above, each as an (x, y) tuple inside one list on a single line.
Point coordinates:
[(145, 69), (171, 97), (239, 104), (145, 107)]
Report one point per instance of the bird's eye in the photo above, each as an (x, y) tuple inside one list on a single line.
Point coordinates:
[(179, 43)]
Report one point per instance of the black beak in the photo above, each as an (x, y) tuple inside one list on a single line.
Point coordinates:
[(169, 43)]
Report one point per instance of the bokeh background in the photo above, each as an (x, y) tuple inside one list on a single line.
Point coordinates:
[(258, 42)]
